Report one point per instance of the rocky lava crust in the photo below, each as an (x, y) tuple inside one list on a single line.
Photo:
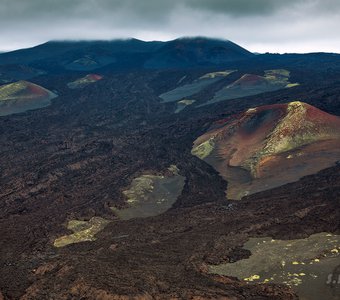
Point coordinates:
[(74, 158)]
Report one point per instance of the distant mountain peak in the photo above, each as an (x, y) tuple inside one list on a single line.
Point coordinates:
[(121, 53), (200, 39), (197, 51)]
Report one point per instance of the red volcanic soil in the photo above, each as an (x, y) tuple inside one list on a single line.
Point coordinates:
[(94, 77), (250, 80), (272, 145), (36, 91), (84, 81)]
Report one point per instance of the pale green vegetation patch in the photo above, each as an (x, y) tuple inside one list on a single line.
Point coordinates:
[(203, 150), (84, 81), (278, 72), (291, 85), (304, 264), (85, 61), (292, 106), (186, 102), (141, 187), (84, 231), (251, 110), (151, 195), (76, 225), (217, 74), (183, 104), (10, 91), (294, 121), (174, 169)]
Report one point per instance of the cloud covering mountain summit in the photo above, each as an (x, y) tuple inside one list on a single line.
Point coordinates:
[(261, 25)]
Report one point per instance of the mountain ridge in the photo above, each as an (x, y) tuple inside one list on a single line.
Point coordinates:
[(178, 53)]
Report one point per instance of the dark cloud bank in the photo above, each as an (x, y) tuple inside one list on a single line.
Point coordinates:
[(259, 25)]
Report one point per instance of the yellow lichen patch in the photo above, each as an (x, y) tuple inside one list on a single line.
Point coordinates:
[(84, 81), (14, 90), (23, 90), (298, 154), (291, 85), (85, 61), (141, 186), (183, 104), (294, 281), (279, 263), (83, 231), (251, 110), (277, 142), (292, 131), (150, 195), (76, 225), (252, 278), (203, 150), (173, 169), (279, 76), (217, 74), (278, 72), (297, 105), (186, 102)]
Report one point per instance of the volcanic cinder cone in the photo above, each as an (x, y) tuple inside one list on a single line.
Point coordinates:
[(271, 145), (22, 96), (84, 81)]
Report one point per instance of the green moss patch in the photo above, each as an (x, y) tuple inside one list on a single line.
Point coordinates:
[(203, 150), (84, 231)]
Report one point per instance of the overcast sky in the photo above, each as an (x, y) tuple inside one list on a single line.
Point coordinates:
[(258, 25)]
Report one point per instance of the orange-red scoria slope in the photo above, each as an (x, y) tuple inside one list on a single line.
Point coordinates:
[(271, 145)]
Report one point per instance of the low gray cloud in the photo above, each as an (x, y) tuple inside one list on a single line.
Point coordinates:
[(28, 9), (273, 25), (240, 7)]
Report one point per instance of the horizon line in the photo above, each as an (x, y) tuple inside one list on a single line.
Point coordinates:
[(89, 40)]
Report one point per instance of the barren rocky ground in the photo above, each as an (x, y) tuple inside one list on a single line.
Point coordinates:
[(73, 159)]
